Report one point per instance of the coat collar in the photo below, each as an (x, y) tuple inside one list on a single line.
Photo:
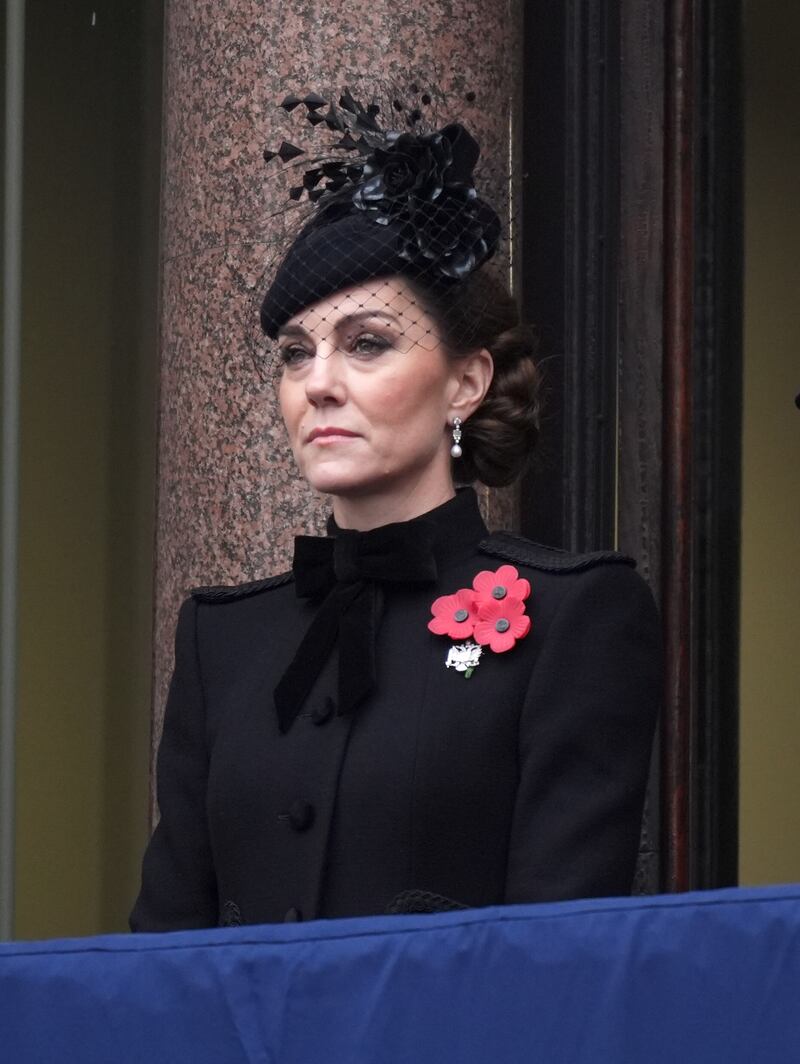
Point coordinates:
[(457, 527)]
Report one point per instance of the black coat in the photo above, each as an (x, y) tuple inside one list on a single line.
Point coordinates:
[(523, 783)]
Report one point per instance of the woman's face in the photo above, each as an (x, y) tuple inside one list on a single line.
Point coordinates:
[(366, 393)]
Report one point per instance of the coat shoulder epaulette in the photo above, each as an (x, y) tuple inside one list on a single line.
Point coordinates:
[(234, 592), (512, 548)]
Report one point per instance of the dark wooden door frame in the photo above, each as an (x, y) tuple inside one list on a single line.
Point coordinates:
[(631, 267)]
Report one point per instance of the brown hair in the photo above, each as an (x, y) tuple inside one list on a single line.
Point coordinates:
[(499, 438)]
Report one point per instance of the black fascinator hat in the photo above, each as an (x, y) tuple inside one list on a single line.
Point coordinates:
[(383, 202)]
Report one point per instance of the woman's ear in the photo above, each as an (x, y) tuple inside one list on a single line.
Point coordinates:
[(472, 375)]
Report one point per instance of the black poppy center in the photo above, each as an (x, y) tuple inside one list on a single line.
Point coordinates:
[(502, 625), (499, 592), (461, 615)]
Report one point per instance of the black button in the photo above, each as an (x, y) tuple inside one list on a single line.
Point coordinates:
[(293, 916), (301, 814), (502, 624), (499, 592), (322, 713)]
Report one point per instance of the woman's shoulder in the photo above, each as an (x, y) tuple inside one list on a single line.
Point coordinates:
[(603, 580), (521, 551), (586, 603), (218, 594)]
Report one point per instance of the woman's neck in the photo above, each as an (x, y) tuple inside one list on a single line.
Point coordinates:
[(365, 512)]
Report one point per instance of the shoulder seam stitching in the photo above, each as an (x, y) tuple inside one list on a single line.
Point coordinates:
[(231, 592), (517, 549)]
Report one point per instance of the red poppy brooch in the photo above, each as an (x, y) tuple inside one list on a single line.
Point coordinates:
[(489, 614)]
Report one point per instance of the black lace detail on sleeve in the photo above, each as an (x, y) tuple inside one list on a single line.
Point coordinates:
[(422, 901), (230, 915)]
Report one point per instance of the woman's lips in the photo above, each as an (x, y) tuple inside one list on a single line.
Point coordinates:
[(330, 434)]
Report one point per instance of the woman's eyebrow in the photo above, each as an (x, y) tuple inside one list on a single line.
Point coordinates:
[(291, 330), (356, 316), (363, 315)]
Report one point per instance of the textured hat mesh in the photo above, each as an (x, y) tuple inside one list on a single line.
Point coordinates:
[(333, 274)]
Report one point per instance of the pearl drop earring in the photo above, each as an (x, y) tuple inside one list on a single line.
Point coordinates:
[(455, 450)]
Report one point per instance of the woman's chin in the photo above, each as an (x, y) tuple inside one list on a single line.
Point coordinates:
[(330, 481)]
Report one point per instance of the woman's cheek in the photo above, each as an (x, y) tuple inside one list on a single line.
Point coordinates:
[(389, 405), (404, 394)]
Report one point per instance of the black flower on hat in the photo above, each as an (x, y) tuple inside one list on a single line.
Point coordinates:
[(453, 237), (421, 166), (424, 183)]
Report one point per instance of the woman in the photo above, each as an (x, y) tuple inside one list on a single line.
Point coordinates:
[(420, 714)]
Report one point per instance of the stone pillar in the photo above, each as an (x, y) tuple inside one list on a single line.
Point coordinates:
[(229, 500)]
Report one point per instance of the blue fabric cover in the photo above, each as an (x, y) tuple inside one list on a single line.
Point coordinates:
[(708, 978)]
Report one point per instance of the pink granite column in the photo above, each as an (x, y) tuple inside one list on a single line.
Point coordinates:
[(229, 501)]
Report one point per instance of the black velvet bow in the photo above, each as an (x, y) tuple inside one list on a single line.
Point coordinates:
[(346, 572)]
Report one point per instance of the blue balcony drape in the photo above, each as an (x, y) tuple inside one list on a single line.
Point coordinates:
[(704, 977)]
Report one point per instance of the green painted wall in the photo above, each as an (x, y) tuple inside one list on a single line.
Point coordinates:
[(770, 605), (87, 462)]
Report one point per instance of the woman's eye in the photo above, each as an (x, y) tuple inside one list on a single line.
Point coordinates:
[(294, 355), (369, 344)]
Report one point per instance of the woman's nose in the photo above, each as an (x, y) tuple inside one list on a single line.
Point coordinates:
[(325, 379)]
